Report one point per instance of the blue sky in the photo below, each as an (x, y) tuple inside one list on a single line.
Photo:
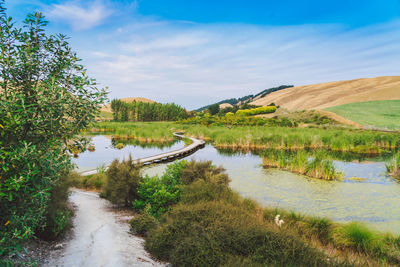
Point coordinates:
[(198, 52)]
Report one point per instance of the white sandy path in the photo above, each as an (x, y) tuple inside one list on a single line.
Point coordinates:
[(99, 237)]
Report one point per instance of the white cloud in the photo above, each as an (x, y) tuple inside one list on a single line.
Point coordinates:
[(200, 64), (78, 16)]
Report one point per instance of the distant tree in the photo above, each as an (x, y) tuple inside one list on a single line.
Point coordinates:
[(45, 99), (139, 111), (213, 109)]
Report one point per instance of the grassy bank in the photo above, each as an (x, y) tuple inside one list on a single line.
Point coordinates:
[(383, 114), (261, 137)]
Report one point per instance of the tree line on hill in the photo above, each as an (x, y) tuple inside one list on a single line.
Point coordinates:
[(140, 111), (248, 98)]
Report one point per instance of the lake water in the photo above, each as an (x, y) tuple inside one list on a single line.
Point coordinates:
[(374, 200)]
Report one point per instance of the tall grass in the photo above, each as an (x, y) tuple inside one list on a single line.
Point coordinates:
[(300, 162), (393, 167), (261, 137)]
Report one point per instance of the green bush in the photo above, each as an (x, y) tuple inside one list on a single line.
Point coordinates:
[(159, 193), (122, 182), (45, 99), (57, 213), (201, 190), (211, 233), (256, 111), (143, 223), (203, 170)]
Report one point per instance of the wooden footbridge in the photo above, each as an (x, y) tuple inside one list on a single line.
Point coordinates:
[(168, 156)]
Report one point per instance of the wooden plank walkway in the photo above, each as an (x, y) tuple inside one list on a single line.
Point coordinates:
[(168, 156)]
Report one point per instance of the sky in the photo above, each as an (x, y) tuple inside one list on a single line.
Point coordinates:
[(194, 52)]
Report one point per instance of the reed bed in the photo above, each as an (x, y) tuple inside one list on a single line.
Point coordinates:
[(393, 167), (300, 162), (362, 142)]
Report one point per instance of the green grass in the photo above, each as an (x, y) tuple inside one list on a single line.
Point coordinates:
[(393, 167), (260, 137), (298, 162), (384, 114), (106, 115)]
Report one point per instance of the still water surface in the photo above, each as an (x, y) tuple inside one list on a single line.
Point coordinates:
[(375, 200)]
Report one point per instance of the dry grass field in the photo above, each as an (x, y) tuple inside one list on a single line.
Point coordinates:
[(324, 95)]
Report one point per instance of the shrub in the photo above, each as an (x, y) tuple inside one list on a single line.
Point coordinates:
[(122, 182), (203, 170), (256, 111), (57, 212), (201, 190), (45, 99), (211, 233), (143, 223), (159, 193)]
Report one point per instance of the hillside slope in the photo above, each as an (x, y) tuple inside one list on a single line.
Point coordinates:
[(324, 95), (382, 114)]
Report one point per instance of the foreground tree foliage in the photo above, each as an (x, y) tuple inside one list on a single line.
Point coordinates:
[(45, 99)]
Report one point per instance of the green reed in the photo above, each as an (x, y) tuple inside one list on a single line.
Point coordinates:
[(300, 162), (261, 137)]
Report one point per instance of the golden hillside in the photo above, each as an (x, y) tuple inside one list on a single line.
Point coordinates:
[(225, 105), (323, 95), (107, 107)]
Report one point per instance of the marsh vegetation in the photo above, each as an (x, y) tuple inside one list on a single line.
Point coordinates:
[(261, 137)]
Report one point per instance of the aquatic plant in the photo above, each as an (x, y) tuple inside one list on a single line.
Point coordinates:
[(119, 146), (260, 137), (91, 148), (298, 162), (393, 167)]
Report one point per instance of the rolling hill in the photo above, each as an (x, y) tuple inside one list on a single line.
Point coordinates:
[(247, 98), (324, 95)]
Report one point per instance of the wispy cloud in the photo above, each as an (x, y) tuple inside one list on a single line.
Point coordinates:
[(79, 16), (196, 65)]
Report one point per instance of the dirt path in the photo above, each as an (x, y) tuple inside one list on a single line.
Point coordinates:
[(100, 237)]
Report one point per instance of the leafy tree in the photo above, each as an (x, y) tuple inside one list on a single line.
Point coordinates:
[(45, 99), (213, 109), (139, 111)]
